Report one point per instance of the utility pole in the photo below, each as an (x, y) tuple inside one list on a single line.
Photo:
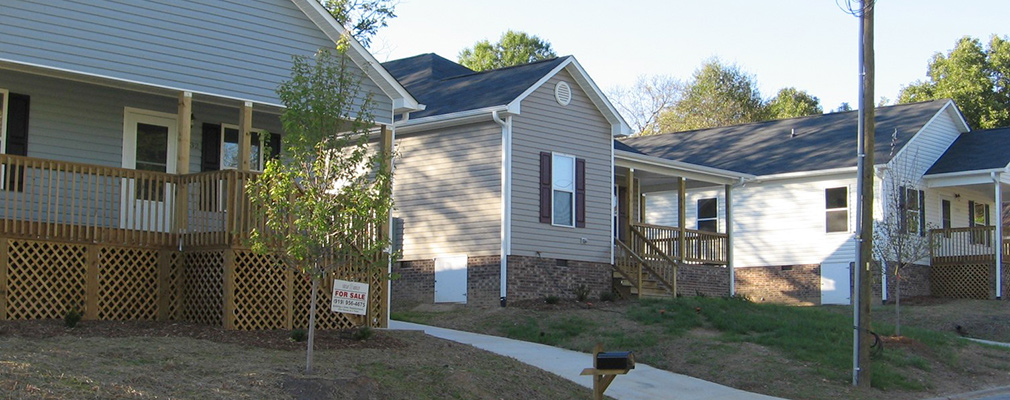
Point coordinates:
[(864, 210)]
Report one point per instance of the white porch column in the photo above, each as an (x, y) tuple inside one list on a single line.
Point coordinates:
[(999, 235)]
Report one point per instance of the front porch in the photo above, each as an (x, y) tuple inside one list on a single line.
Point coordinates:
[(665, 258), (964, 263), (125, 244)]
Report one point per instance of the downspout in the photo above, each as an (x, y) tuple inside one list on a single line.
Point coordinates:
[(389, 222), (999, 234), (506, 200)]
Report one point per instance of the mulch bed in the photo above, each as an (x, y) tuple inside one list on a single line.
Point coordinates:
[(270, 339)]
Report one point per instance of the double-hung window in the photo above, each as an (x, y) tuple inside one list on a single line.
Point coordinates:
[(913, 210), (230, 144), (563, 190), (707, 215), (836, 206), (978, 216)]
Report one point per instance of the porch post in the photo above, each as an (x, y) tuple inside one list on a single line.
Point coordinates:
[(629, 205), (244, 136), (729, 239), (999, 236), (681, 217), (185, 116)]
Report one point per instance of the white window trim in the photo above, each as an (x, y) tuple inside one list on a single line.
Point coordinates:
[(848, 212), (555, 188), (698, 219), (135, 115), (917, 212), (5, 98), (264, 139)]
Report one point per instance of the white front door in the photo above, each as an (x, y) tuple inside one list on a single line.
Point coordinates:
[(150, 142), (836, 283), (450, 279)]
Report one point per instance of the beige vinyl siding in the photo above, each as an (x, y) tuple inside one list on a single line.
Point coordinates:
[(447, 189), (578, 129), (237, 49)]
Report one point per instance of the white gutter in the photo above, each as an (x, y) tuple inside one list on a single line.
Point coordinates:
[(389, 260), (506, 200), (806, 174), (727, 176), (443, 120), (999, 234), (963, 173)]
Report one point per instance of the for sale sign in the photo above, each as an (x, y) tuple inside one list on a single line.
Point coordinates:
[(349, 297)]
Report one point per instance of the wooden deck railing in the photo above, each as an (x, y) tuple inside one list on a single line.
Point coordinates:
[(966, 244), (57, 200), (699, 246)]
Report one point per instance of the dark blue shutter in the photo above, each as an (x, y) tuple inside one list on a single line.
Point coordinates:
[(211, 152)]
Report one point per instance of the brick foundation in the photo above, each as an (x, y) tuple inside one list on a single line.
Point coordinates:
[(483, 281), (915, 281), (414, 285), (792, 284), (703, 280), (535, 278)]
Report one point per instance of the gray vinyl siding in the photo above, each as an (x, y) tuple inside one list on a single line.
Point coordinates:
[(80, 122), (447, 190), (578, 129), (237, 49)]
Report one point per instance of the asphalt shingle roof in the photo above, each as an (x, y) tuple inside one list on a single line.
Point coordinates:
[(445, 87), (975, 150), (817, 142)]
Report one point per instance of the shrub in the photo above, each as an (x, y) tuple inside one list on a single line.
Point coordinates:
[(608, 296), (299, 335), (72, 317), (582, 293), (362, 333), (552, 300)]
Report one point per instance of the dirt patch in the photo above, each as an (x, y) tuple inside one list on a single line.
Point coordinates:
[(269, 339)]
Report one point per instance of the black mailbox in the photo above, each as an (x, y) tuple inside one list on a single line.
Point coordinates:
[(623, 360)]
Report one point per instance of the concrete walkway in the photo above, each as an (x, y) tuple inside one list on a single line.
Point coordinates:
[(643, 382)]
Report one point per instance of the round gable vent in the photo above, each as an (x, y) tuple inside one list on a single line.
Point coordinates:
[(563, 93)]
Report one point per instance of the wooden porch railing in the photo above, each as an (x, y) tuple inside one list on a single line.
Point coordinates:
[(74, 202), (966, 244), (699, 246)]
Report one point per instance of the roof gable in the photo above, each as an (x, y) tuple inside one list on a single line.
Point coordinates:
[(445, 89), (975, 151), (818, 142)]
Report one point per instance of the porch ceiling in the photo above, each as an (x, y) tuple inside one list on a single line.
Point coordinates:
[(656, 174)]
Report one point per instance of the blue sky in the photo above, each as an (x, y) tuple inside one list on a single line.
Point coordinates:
[(809, 44)]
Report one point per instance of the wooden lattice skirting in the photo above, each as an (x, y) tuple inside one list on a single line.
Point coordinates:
[(232, 287), (964, 280)]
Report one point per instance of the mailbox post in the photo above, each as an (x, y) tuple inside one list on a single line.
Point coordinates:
[(606, 367)]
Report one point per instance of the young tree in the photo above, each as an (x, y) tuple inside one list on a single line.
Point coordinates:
[(514, 48), (718, 95), (320, 203), (791, 102), (642, 103), (362, 18), (901, 237), (976, 78)]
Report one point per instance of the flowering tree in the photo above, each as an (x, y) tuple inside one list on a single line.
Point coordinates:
[(320, 202)]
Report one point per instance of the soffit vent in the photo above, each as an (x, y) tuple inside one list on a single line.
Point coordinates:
[(563, 93)]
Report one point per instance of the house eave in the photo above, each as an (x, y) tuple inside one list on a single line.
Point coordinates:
[(453, 119), (131, 85), (627, 159)]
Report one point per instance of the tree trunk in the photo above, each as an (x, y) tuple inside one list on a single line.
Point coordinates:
[(312, 325), (897, 302)]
